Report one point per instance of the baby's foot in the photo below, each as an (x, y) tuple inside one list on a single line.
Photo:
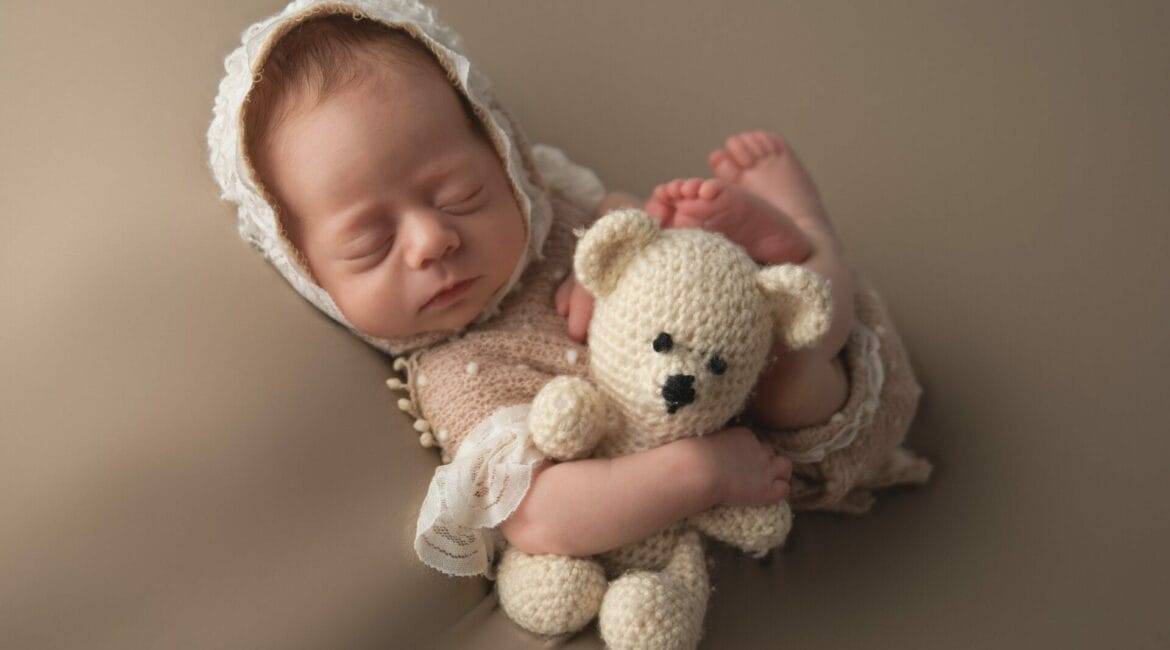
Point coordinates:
[(766, 233), (763, 163)]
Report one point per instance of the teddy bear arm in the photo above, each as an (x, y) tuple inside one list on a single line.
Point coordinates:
[(569, 417)]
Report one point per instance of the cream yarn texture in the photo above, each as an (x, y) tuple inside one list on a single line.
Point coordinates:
[(682, 326)]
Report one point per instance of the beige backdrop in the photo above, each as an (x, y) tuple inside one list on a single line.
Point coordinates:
[(195, 458)]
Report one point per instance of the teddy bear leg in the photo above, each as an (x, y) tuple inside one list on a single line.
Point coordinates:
[(752, 529), (659, 610), (549, 594)]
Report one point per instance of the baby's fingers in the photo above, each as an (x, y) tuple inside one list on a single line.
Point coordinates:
[(580, 313), (780, 489), (782, 466), (563, 293)]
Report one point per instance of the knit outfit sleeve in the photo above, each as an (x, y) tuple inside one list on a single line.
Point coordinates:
[(476, 406)]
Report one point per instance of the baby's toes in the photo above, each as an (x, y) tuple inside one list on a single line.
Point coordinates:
[(690, 188), (723, 165), (741, 150), (712, 188), (759, 143), (659, 210), (771, 143), (659, 193)]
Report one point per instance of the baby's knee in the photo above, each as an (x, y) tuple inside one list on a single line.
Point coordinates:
[(800, 390)]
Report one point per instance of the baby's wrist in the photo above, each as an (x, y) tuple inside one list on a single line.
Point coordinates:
[(696, 466)]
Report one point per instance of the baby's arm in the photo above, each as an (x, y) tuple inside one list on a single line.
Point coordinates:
[(584, 507), (588, 506)]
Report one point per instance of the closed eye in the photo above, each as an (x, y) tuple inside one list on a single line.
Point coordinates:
[(463, 204), (373, 248)]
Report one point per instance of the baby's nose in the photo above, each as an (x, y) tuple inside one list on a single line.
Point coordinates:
[(678, 391), (427, 239)]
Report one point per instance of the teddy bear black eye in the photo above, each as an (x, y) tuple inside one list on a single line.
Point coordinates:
[(717, 365), (663, 342)]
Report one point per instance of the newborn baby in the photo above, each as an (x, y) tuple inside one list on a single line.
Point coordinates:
[(375, 170)]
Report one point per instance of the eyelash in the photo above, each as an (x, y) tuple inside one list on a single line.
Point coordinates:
[(390, 239), (465, 199), (380, 247)]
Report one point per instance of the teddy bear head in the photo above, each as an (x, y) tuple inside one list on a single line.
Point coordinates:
[(684, 319)]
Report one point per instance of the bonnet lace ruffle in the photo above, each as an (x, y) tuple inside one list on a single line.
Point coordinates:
[(257, 220)]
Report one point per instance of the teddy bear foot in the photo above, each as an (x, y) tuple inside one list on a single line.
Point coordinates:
[(755, 530), (645, 610), (549, 594)]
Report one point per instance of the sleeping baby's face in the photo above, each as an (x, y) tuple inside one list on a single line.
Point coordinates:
[(403, 212)]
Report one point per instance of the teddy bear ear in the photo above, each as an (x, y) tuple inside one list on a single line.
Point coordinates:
[(801, 303), (608, 246)]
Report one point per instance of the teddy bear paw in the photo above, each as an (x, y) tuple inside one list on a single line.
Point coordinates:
[(568, 418)]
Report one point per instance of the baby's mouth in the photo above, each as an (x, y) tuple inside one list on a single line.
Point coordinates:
[(450, 294)]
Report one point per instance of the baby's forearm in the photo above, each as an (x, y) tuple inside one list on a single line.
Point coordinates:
[(584, 507)]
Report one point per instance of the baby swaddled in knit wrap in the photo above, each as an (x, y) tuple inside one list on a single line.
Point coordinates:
[(467, 389)]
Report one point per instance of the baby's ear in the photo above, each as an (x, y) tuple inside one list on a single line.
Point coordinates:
[(608, 246), (801, 303)]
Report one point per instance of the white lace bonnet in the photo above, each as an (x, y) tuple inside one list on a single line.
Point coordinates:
[(257, 220)]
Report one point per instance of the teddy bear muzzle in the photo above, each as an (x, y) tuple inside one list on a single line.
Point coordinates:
[(678, 391)]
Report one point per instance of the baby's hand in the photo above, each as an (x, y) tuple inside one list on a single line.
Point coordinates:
[(745, 471), (575, 303)]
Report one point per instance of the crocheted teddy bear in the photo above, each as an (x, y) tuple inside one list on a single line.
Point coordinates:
[(682, 325)]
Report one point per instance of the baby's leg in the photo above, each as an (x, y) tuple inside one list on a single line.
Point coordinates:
[(764, 164), (804, 387)]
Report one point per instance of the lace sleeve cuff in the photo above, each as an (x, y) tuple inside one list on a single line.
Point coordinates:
[(475, 492)]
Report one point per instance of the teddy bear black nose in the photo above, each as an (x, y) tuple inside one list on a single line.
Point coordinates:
[(678, 391)]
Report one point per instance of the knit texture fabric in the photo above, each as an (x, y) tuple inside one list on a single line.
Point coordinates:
[(532, 362), (457, 384), (682, 326)]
